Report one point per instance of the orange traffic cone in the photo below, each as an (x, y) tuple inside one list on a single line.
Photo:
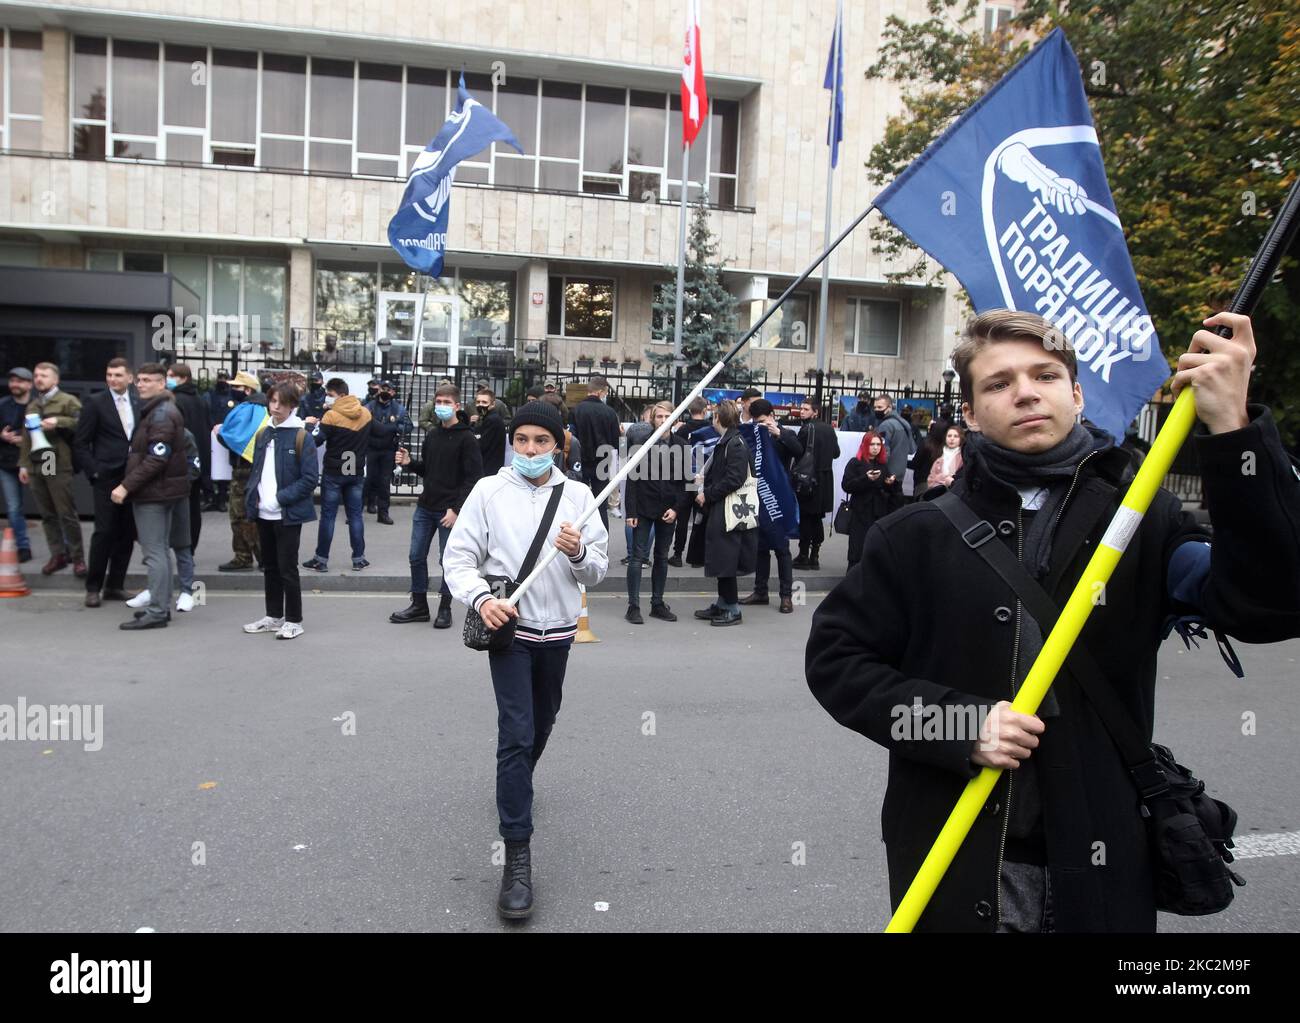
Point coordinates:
[(12, 583), (584, 635)]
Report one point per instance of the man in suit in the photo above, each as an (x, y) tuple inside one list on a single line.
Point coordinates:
[(101, 443)]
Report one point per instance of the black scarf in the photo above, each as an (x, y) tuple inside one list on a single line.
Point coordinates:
[(1053, 468)]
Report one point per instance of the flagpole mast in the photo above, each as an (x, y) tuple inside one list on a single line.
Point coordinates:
[(681, 270), (830, 185)]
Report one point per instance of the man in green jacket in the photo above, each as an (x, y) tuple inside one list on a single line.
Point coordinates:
[(49, 471)]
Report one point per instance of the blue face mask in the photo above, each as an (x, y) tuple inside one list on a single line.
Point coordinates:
[(443, 412), (172, 383), (532, 468)]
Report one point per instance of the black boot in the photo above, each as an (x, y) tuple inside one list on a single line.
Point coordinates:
[(516, 899), (417, 612), (443, 621), (813, 561), (801, 559)]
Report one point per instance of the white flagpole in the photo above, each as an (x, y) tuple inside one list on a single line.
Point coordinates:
[(830, 184)]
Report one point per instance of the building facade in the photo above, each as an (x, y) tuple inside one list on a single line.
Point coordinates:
[(255, 151)]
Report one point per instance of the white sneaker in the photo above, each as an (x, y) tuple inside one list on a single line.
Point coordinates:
[(264, 624), (141, 599), (185, 602), (289, 630)]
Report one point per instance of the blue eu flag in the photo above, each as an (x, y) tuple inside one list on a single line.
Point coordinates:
[(418, 230), (1013, 200)]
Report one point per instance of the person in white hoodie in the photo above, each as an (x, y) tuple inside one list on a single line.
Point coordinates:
[(491, 537)]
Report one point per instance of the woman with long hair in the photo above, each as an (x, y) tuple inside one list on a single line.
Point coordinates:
[(873, 492), (929, 450), (949, 461)]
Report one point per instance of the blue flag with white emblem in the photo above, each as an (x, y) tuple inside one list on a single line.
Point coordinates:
[(418, 230), (1012, 199)]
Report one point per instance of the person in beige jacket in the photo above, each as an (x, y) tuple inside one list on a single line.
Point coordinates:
[(945, 467)]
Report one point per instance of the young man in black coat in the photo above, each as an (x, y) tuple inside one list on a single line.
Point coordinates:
[(656, 498), (490, 429), (880, 647), (789, 448), (819, 438), (450, 464), (597, 428)]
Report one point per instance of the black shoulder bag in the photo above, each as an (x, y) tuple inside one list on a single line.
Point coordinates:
[(477, 634), (804, 475), (1189, 831)]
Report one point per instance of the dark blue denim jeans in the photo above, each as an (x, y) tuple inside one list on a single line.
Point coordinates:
[(13, 495), (333, 491), (422, 527), (663, 542), (527, 680)]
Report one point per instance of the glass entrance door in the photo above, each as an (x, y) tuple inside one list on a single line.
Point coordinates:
[(412, 349)]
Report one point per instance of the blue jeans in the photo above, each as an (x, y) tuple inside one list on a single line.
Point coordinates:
[(333, 490), (527, 680), (422, 527), (13, 494), (644, 535)]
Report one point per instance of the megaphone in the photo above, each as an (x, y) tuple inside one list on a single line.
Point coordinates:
[(39, 441)]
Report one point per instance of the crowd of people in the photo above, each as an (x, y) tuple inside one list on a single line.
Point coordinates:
[(727, 489)]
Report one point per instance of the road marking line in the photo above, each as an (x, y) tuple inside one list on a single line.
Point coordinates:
[(1281, 843)]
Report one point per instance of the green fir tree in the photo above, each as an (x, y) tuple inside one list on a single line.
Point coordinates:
[(708, 309)]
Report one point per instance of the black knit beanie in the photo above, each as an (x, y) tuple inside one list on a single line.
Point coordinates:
[(539, 413)]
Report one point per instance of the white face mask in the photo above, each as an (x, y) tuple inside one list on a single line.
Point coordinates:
[(330, 400)]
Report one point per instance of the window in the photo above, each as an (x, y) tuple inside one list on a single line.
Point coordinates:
[(486, 299), (284, 112), (345, 295), (21, 118), (234, 98), (143, 262), (426, 110), (561, 133), (379, 119), (603, 132), (791, 327), (19, 254), (89, 98), (581, 307), (997, 18), (517, 106), (873, 327)]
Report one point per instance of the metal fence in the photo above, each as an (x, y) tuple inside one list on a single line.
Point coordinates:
[(632, 387)]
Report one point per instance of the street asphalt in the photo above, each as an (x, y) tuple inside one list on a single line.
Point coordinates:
[(239, 743)]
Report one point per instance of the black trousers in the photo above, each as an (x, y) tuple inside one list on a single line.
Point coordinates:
[(196, 515), (379, 479), (279, 544), (679, 534), (785, 571), (112, 540)]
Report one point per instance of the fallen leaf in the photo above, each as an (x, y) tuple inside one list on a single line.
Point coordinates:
[(208, 785)]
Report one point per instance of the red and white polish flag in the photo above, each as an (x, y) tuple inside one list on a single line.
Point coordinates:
[(695, 101)]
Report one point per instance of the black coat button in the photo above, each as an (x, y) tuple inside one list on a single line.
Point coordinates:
[(983, 910), (1006, 527), (1002, 614)]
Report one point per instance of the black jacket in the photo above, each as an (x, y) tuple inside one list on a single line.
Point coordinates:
[(198, 420), (825, 449), (450, 464), (869, 500), (659, 481), (389, 424), (491, 434), (595, 425), (99, 445), (13, 416), (879, 642), (724, 554), (220, 401), (157, 471)]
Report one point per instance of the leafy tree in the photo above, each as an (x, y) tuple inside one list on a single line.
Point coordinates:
[(708, 309), (1197, 107)]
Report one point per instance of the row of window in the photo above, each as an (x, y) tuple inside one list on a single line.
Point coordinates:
[(154, 101), (230, 289), (20, 90)]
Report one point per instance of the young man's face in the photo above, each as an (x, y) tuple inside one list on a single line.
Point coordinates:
[(882, 409), (661, 417), (484, 404), (279, 413), (446, 401), (150, 385), (117, 378), (1022, 397), (806, 411)]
